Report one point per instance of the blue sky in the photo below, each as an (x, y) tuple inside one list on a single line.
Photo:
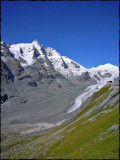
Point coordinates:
[(87, 32)]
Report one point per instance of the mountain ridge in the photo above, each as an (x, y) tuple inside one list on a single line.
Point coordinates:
[(48, 81), (27, 52)]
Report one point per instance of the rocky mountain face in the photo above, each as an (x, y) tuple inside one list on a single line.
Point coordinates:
[(16, 67), (37, 79)]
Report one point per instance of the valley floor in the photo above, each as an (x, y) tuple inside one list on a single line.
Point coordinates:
[(91, 134)]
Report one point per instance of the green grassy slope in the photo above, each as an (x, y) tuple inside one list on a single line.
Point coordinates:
[(92, 135)]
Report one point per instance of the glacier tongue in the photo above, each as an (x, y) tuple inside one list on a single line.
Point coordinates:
[(113, 70), (87, 93)]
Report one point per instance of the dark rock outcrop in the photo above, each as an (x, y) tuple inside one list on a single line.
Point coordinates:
[(6, 74), (64, 64), (36, 53), (77, 66), (4, 98), (32, 84), (25, 77), (5, 50), (21, 51), (22, 60)]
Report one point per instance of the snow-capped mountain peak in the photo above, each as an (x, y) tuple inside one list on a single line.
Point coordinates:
[(25, 52), (63, 64), (104, 72), (28, 53), (36, 44), (107, 66), (36, 41)]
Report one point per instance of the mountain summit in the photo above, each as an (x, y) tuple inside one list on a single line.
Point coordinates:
[(29, 53)]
